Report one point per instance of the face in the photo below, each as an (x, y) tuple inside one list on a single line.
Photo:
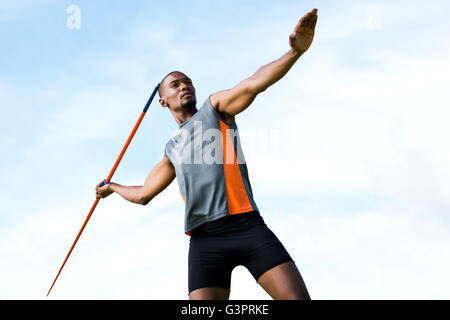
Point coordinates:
[(178, 92)]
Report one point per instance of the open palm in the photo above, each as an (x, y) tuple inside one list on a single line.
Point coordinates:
[(300, 40)]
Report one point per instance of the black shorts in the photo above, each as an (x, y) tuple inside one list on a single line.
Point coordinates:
[(217, 247)]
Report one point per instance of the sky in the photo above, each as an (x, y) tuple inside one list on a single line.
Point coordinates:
[(348, 154)]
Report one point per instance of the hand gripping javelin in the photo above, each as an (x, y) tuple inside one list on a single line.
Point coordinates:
[(107, 180)]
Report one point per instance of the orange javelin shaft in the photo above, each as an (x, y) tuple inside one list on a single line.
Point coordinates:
[(107, 180), (73, 244)]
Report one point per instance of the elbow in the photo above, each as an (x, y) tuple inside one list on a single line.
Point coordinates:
[(143, 197), (144, 200)]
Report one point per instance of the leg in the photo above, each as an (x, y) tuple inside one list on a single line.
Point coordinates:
[(210, 294), (284, 282), (209, 276)]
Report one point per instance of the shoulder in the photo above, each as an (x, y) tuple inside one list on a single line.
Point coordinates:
[(172, 143), (216, 99)]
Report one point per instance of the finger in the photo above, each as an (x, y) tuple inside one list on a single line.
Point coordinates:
[(312, 15), (299, 24), (307, 19), (308, 23), (302, 21), (314, 23), (312, 18)]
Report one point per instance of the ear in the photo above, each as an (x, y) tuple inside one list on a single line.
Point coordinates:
[(163, 102)]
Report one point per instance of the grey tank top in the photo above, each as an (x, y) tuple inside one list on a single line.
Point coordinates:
[(210, 168)]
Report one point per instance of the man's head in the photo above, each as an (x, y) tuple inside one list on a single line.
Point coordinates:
[(177, 92)]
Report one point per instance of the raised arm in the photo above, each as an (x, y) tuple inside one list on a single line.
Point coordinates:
[(229, 103), (157, 180)]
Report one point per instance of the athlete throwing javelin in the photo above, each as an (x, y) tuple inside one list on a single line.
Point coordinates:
[(221, 216)]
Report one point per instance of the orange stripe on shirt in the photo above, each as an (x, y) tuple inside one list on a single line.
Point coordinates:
[(237, 197)]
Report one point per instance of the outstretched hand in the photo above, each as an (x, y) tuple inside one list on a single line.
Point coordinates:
[(303, 34)]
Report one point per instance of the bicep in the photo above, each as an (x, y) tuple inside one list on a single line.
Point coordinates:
[(158, 179), (229, 103)]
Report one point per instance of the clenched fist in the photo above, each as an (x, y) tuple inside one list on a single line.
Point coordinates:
[(102, 191)]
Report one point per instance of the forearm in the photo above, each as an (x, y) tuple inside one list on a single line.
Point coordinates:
[(130, 193), (267, 75), (157, 180)]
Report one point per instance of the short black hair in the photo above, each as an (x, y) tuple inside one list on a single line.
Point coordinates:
[(160, 84)]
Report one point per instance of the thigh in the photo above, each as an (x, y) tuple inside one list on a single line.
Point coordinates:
[(262, 251), (210, 266), (210, 294), (284, 282), (272, 266)]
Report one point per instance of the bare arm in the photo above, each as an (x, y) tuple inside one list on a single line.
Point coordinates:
[(230, 102), (157, 180)]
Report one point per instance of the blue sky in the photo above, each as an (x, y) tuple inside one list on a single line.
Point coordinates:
[(348, 154)]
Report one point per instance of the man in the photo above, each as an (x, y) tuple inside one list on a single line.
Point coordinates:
[(221, 215)]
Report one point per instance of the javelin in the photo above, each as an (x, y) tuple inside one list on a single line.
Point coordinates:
[(107, 180)]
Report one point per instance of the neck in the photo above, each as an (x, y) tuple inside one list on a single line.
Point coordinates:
[(184, 114)]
